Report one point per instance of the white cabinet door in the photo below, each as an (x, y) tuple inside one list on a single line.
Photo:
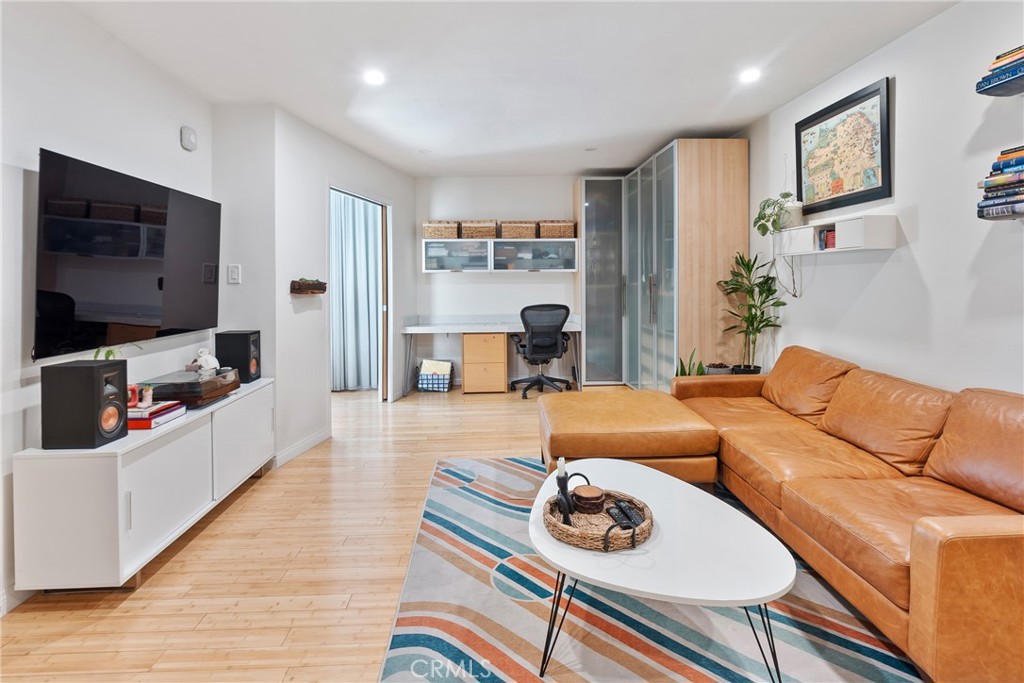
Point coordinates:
[(243, 439), (165, 484)]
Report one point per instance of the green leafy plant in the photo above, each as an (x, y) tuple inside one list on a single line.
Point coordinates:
[(772, 214), (111, 352), (758, 298), (687, 368)]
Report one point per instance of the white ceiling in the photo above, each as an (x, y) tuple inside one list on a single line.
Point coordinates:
[(487, 88)]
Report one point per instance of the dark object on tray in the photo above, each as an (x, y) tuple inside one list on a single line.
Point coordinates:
[(185, 386), (588, 499), (304, 286), (591, 532)]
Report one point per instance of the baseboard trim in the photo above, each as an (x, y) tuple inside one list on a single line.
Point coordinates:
[(10, 598), (301, 447)]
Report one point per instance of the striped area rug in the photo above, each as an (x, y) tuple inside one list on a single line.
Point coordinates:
[(476, 602)]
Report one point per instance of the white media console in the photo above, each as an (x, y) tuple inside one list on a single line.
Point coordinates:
[(93, 518)]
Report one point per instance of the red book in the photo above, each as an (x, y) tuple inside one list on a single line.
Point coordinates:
[(160, 418)]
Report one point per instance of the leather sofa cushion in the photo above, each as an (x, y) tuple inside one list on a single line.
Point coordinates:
[(596, 424), (867, 524), (803, 381), (981, 448), (767, 458), (896, 420), (750, 412)]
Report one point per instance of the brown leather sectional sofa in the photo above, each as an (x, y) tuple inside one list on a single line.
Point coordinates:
[(907, 499)]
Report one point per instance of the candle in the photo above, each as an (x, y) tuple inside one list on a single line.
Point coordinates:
[(561, 467)]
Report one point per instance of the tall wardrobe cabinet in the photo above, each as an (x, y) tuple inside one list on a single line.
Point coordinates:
[(684, 217)]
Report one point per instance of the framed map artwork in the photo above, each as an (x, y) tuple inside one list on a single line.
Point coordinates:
[(844, 151)]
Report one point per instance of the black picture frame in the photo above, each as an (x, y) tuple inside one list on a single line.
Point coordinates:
[(879, 190)]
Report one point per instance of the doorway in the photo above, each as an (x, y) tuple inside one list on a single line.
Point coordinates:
[(358, 294)]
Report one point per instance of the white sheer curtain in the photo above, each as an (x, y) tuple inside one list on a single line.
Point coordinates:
[(355, 292)]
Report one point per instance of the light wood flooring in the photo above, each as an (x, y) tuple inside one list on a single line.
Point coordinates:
[(295, 577)]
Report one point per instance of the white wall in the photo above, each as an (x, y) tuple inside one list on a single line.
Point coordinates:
[(947, 307), (69, 87), (308, 164), (500, 198)]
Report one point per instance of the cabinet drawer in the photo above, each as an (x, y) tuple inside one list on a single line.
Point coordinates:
[(483, 377), (483, 348)]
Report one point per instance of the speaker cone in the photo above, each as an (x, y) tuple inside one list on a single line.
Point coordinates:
[(254, 366), (112, 412)]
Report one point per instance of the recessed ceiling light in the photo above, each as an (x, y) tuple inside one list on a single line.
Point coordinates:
[(749, 75), (374, 76), (590, 149)]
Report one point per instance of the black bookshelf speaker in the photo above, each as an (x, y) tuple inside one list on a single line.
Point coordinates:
[(84, 403), (240, 349)]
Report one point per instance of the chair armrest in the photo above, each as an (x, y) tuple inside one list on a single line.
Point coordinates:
[(966, 592), (725, 386), (516, 339)]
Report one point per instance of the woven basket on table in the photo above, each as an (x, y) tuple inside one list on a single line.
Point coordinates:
[(517, 230), (441, 230), (557, 229), (587, 531), (479, 230)]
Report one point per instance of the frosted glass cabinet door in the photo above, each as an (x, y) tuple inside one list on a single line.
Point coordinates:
[(447, 255), (648, 266), (634, 281), (602, 240), (665, 254), (534, 255)]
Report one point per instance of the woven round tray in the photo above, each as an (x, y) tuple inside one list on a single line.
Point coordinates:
[(588, 531)]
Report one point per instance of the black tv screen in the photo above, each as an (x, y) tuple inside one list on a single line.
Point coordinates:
[(119, 259)]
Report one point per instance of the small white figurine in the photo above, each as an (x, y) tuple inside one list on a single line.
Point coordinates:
[(205, 363)]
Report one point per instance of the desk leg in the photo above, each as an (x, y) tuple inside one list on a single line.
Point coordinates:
[(766, 624), (576, 370), (554, 624)]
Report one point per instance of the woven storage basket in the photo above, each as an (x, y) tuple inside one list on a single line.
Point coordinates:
[(554, 229), (479, 230), (587, 531), (515, 230), (441, 230)]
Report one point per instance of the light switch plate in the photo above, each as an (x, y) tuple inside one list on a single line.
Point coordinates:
[(234, 274)]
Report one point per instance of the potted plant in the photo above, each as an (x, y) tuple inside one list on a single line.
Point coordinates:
[(717, 369), (758, 298), (687, 368), (776, 213)]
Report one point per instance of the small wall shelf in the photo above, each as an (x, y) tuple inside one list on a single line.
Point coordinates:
[(851, 233)]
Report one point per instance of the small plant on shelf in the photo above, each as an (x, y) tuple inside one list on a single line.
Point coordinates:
[(776, 213), (758, 299), (688, 367)]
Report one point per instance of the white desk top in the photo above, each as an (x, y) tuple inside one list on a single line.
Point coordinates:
[(701, 550), (465, 324)]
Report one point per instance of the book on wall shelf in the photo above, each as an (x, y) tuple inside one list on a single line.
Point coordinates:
[(1005, 77), (1003, 189)]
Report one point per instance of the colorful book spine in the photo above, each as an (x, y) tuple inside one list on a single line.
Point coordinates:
[(1012, 162), (1001, 179), (1007, 67), (1008, 211), (1005, 191), (156, 420), (995, 79), (1015, 168), (1007, 57), (1001, 200), (1013, 151)]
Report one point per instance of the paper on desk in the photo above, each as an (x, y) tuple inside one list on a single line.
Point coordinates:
[(436, 367)]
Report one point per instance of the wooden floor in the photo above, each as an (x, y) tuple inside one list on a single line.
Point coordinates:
[(295, 577)]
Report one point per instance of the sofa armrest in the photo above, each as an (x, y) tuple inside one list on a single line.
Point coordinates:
[(966, 592), (725, 386)]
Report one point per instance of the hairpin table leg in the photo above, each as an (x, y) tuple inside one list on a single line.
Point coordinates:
[(766, 624), (554, 623)]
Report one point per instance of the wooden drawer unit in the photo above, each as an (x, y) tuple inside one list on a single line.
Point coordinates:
[(483, 363)]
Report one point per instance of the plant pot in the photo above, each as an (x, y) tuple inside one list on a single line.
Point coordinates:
[(746, 369), (794, 214), (718, 371)]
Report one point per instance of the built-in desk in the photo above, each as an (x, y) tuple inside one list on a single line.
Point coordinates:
[(470, 324)]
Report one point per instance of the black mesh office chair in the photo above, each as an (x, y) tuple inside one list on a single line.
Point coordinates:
[(544, 342)]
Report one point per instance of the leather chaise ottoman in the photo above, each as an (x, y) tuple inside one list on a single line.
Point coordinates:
[(648, 427)]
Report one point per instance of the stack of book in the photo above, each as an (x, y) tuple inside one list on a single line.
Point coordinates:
[(1005, 75), (155, 415), (1004, 187)]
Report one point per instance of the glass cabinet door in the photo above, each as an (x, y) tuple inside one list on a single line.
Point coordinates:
[(665, 255), (455, 255), (633, 281), (648, 271), (535, 255), (602, 305)]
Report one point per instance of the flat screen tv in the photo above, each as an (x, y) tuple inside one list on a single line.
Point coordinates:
[(119, 259)]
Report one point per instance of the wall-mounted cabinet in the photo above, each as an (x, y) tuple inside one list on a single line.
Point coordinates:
[(855, 233), (499, 255)]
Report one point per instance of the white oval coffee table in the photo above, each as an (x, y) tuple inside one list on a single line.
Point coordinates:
[(701, 551)]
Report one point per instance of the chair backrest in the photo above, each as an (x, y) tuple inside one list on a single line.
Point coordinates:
[(543, 324)]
